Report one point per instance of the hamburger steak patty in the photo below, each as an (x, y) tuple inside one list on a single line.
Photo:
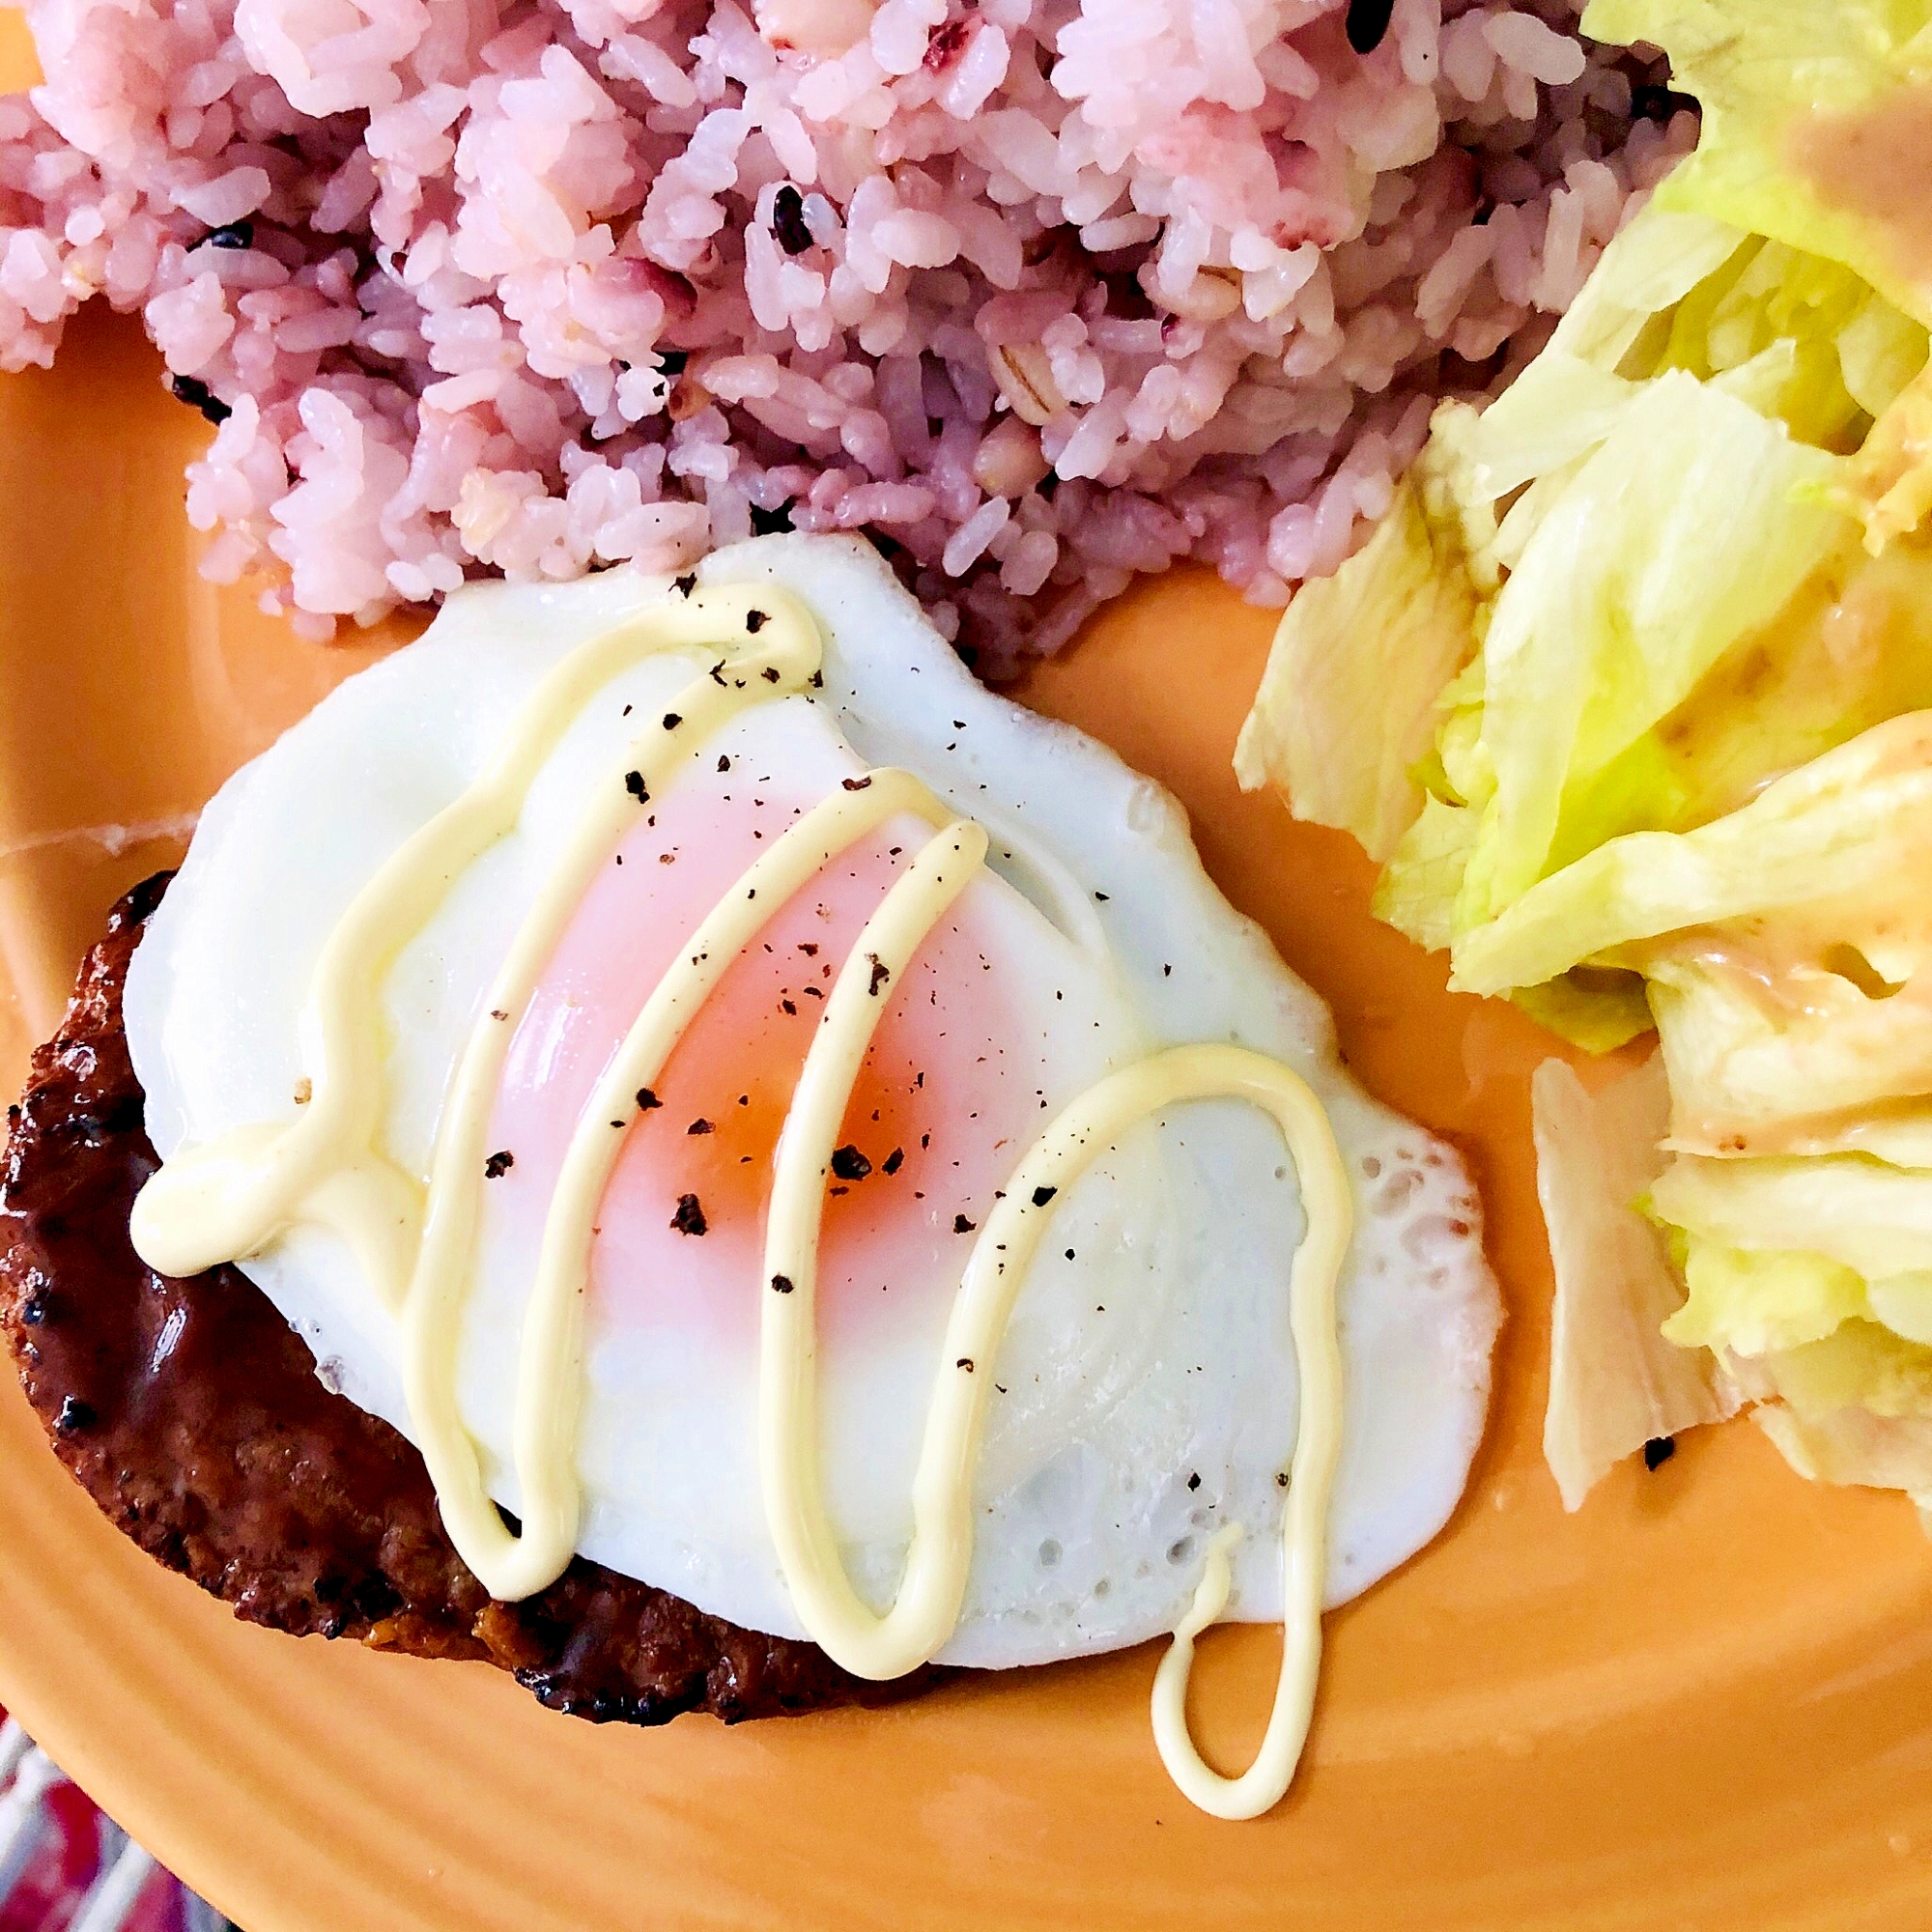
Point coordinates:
[(191, 1413)]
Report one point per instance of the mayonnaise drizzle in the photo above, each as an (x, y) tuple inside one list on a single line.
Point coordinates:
[(414, 1233)]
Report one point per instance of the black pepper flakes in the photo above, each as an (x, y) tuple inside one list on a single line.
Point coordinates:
[(646, 1100), (690, 1217), (782, 1284), (849, 1164), (1194, 1481), (671, 721), (1659, 1450), (1042, 1195), (700, 1127), (755, 621), (893, 1162), (633, 783), (788, 221), (724, 763), (960, 1225), (684, 585), (965, 1362), (499, 1164), (881, 973)]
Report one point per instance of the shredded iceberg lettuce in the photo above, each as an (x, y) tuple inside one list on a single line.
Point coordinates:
[(1754, 1300), (1786, 86), (1615, 1380), (1367, 653), (1632, 695)]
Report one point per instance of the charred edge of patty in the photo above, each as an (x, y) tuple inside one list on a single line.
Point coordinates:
[(193, 1414)]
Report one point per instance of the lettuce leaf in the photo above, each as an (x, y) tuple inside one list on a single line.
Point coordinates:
[(1888, 488), (1357, 662), (1627, 309), (1859, 1365), (1597, 1010), (1791, 1057), (1862, 1214), (1776, 1300), (1687, 530), (1786, 87), (1752, 1301), (1856, 1444), (1417, 893), (1847, 837), (1615, 1384), (1814, 117), (1633, 698)]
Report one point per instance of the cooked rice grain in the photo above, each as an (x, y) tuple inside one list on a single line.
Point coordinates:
[(1039, 295)]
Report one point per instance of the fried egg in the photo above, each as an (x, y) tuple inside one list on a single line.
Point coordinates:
[(1146, 1387)]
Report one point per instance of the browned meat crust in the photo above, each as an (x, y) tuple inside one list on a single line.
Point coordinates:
[(191, 1413)]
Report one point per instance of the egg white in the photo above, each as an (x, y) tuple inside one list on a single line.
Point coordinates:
[(1149, 1384)]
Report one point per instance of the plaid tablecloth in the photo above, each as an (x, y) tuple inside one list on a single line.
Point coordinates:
[(65, 1866)]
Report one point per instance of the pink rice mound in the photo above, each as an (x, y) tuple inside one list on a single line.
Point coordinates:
[(1039, 292)]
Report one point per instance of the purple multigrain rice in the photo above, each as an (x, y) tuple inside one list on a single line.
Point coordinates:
[(1041, 294)]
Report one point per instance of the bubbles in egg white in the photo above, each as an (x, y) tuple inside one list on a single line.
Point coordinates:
[(1148, 1384)]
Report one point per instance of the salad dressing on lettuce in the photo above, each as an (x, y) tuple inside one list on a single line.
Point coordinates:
[(1631, 695), (1876, 165)]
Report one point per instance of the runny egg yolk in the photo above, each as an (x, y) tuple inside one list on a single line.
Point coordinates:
[(950, 1095)]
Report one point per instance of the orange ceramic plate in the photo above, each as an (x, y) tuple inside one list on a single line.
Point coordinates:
[(1704, 1703)]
